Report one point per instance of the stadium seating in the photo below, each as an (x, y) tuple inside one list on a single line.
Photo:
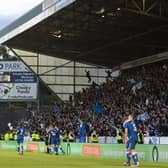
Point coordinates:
[(142, 91)]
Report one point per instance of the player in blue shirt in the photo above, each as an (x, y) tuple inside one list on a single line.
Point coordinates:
[(131, 139), (59, 140), (20, 138), (54, 139)]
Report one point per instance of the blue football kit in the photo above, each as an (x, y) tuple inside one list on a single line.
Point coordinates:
[(54, 140), (132, 134), (20, 139), (20, 134), (131, 143), (54, 135)]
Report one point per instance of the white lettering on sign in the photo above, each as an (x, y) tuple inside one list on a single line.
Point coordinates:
[(13, 66)]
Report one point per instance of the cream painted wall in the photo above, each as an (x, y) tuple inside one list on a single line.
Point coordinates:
[(63, 81)]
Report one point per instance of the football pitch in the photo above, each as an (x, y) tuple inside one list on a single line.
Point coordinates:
[(10, 159)]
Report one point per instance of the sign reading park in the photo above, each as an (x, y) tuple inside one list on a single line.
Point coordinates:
[(17, 82)]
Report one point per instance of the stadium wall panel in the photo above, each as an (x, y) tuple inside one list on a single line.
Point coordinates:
[(151, 153)]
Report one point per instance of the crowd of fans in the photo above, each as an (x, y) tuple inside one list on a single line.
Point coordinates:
[(101, 108)]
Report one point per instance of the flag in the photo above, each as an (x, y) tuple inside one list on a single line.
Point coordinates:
[(143, 117), (98, 108)]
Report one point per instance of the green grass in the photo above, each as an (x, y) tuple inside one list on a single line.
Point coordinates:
[(10, 159)]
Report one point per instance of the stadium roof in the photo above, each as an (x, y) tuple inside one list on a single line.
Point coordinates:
[(103, 32)]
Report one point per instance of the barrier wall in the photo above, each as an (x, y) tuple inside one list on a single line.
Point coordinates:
[(146, 152), (28, 146), (150, 153), (156, 140)]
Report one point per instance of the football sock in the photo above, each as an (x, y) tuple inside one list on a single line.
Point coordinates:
[(56, 149), (128, 155), (135, 157)]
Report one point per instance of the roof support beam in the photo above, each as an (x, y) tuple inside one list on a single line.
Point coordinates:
[(143, 6), (147, 10), (136, 5), (152, 6)]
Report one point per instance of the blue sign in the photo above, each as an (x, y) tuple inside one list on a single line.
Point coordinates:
[(24, 77)]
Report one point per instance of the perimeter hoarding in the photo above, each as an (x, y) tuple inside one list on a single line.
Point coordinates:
[(149, 153), (17, 82), (28, 146)]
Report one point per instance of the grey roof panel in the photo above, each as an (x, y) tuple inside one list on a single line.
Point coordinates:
[(21, 20), (31, 18)]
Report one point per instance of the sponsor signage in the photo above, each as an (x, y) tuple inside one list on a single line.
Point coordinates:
[(13, 66), (151, 153), (18, 91), (17, 82), (91, 150), (33, 147), (23, 77)]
